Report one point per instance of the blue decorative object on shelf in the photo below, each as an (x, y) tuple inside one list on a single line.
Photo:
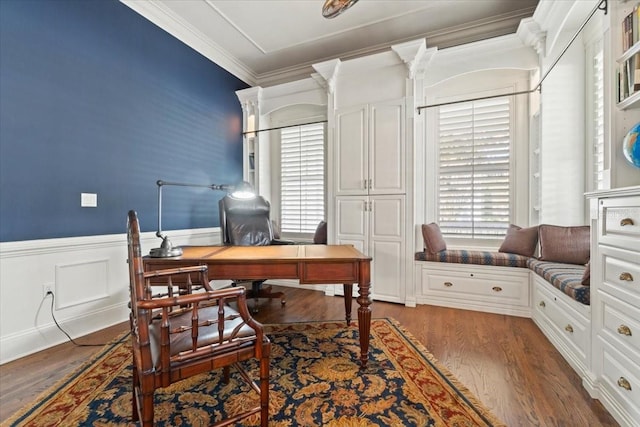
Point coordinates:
[(631, 145)]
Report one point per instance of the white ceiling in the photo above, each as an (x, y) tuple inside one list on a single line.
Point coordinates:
[(272, 41)]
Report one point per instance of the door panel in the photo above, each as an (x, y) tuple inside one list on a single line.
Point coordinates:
[(351, 152), (386, 148)]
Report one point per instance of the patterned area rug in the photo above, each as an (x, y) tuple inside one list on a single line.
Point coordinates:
[(315, 381)]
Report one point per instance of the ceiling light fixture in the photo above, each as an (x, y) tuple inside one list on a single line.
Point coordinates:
[(333, 8)]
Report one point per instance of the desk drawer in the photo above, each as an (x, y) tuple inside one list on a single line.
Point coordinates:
[(570, 325), (509, 286), (240, 271), (622, 377), (620, 222), (621, 273), (316, 273), (622, 322)]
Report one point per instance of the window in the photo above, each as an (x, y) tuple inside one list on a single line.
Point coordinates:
[(474, 179), (302, 160)]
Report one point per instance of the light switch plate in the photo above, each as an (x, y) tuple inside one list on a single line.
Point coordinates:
[(88, 200)]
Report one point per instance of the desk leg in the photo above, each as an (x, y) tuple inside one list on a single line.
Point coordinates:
[(364, 312), (348, 297)]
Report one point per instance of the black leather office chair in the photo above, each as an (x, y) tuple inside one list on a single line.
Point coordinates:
[(246, 222)]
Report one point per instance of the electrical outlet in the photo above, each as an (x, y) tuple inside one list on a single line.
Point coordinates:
[(47, 289)]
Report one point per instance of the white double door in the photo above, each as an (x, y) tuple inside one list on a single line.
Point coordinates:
[(375, 226)]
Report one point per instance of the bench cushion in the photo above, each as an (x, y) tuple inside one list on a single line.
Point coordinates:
[(461, 256), (566, 277)]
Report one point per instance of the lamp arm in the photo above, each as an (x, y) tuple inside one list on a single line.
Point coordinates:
[(166, 249), (160, 183)]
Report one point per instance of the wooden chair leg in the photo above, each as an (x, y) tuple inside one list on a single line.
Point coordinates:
[(134, 398), (147, 409), (264, 391)]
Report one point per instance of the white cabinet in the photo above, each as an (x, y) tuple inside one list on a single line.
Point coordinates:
[(375, 226), (615, 299), (369, 176), (370, 149)]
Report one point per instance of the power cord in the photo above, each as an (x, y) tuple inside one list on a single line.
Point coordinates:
[(53, 297)]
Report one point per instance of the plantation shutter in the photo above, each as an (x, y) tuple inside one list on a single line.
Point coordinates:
[(598, 122), (474, 168), (302, 178)]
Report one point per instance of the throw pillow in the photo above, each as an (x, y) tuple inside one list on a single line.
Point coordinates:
[(433, 240), (586, 277), (569, 245), (520, 241)]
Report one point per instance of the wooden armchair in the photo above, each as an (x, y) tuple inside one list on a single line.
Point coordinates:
[(178, 333)]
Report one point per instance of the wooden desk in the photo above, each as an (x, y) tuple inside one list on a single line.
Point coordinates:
[(310, 264)]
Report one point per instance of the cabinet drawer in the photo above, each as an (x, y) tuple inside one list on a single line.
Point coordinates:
[(568, 323), (621, 273), (622, 322), (477, 285), (620, 222), (622, 377)]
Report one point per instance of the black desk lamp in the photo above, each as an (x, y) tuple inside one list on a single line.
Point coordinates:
[(166, 249)]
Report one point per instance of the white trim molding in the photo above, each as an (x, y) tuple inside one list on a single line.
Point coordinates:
[(88, 276)]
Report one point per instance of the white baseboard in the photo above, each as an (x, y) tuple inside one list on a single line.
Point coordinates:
[(89, 278), (39, 338)]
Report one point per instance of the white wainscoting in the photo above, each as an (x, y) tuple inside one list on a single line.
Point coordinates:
[(89, 279)]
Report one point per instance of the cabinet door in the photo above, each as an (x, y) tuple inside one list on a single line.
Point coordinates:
[(350, 154), (386, 148), (374, 226), (352, 227), (352, 222), (387, 248)]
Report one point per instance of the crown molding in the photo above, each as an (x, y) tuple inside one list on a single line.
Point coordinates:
[(159, 15)]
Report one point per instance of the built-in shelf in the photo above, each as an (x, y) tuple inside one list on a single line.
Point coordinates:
[(624, 61), (632, 101), (629, 53)]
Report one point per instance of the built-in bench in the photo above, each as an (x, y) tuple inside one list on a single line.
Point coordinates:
[(567, 278), (553, 294)]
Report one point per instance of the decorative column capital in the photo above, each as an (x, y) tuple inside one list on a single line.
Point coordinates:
[(415, 55), (328, 70), (531, 34), (250, 98)]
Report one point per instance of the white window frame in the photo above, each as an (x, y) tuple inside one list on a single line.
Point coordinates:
[(465, 87), (595, 178), (478, 128), (308, 223)]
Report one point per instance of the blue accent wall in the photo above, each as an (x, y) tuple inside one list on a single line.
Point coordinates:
[(96, 99)]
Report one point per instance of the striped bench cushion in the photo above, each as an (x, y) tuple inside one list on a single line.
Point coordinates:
[(566, 277), (460, 256)]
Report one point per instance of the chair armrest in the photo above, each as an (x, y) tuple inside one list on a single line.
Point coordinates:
[(229, 293), (282, 242)]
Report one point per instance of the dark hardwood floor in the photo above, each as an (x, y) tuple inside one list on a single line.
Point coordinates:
[(505, 361)]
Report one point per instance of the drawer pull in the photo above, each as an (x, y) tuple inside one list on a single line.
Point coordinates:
[(542, 304), (569, 329), (624, 330), (627, 277), (448, 284), (622, 382), (497, 289), (626, 221)]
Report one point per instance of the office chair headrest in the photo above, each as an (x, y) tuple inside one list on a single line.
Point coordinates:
[(255, 206)]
